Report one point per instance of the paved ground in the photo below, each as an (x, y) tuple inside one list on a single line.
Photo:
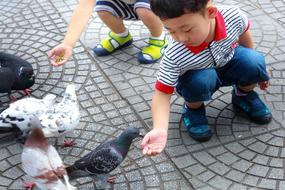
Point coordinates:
[(115, 91)]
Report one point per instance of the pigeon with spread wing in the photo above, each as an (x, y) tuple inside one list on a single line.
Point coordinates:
[(63, 117), (18, 114)]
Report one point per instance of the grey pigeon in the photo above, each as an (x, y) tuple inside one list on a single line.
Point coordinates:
[(104, 158), (19, 73), (42, 162)]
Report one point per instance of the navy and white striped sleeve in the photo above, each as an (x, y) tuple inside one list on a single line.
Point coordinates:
[(167, 76), (244, 22)]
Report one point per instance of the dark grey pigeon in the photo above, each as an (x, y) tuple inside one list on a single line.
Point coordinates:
[(104, 158), (20, 73), (7, 79)]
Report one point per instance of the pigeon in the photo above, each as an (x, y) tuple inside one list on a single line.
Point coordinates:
[(104, 158), (42, 162), (18, 114), (63, 117), (19, 74)]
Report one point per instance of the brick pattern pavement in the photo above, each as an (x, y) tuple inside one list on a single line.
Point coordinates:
[(115, 91)]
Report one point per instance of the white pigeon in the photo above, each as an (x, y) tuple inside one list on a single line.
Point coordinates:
[(63, 117), (18, 113), (42, 162)]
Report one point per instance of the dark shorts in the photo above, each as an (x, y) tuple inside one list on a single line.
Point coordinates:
[(121, 9)]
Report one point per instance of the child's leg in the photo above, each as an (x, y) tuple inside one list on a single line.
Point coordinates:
[(112, 14), (157, 41), (245, 70), (115, 24), (151, 21), (196, 87)]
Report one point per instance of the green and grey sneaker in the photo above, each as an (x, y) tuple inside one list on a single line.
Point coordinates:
[(112, 43), (153, 52)]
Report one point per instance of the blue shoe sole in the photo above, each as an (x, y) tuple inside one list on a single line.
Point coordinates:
[(142, 60), (201, 138), (104, 52)]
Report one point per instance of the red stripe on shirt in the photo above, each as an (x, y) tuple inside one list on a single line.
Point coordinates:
[(164, 88)]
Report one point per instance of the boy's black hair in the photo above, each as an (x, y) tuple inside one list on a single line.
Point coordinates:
[(166, 9)]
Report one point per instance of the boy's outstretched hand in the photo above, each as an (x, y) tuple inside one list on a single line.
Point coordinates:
[(60, 54), (154, 142)]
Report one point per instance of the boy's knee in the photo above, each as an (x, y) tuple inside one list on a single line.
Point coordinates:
[(252, 66), (144, 13), (251, 58), (204, 82), (104, 14)]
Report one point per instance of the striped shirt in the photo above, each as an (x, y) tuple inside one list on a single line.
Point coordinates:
[(231, 22)]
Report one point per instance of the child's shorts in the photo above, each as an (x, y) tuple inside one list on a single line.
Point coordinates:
[(121, 9)]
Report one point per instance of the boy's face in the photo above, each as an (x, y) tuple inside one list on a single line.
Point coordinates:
[(192, 28)]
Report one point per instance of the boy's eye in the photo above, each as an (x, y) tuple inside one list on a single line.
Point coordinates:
[(189, 30)]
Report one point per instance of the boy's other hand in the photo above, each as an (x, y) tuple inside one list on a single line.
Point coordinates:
[(60, 54), (154, 142)]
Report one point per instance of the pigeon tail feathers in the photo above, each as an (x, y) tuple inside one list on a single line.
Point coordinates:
[(74, 174)]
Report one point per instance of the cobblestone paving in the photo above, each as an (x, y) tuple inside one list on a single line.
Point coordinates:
[(115, 91)]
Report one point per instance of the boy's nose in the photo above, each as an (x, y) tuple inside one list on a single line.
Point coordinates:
[(183, 38)]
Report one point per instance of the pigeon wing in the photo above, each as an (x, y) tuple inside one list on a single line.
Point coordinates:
[(102, 160), (35, 162), (19, 112), (7, 79), (64, 116), (54, 158)]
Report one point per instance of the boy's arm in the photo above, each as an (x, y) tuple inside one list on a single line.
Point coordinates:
[(79, 20), (154, 141), (246, 39), (160, 110)]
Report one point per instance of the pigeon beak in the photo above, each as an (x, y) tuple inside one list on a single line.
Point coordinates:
[(140, 135)]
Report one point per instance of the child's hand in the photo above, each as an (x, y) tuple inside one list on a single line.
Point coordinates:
[(60, 54), (154, 142), (263, 85)]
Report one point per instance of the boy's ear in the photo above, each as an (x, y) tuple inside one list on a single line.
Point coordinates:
[(212, 11)]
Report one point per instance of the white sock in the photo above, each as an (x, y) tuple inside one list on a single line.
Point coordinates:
[(123, 34), (161, 37)]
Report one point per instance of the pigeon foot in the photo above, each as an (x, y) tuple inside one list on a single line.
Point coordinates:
[(69, 143), (27, 92), (30, 185), (111, 179), (13, 98)]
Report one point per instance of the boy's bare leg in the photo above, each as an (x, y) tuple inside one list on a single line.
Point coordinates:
[(151, 21), (115, 24)]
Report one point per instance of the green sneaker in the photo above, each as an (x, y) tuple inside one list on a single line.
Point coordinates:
[(153, 51), (112, 43)]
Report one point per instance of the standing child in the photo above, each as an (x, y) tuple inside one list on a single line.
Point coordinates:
[(211, 48), (112, 13)]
